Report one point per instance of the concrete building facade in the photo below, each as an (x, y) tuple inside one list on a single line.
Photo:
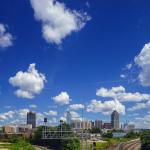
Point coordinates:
[(115, 120)]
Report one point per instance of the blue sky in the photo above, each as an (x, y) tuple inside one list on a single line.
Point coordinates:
[(94, 53)]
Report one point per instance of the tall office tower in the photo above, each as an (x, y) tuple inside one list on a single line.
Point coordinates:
[(98, 124), (68, 118), (31, 119), (115, 120)]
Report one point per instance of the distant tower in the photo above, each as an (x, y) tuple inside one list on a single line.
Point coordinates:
[(68, 117), (31, 119), (115, 120)]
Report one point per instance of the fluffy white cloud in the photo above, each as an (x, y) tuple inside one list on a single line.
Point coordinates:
[(22, 112), (29, 83), (6, 39), (106, 107), (19, 116), (123, 76), (142, 122), (129, 66), (6, 115), (74, 115), (139, 106), (58, 21), (51, 113), (33, 106), (76, 106), (63, 119), (121, 94), (143, 61), (62, 98), (53, 121)]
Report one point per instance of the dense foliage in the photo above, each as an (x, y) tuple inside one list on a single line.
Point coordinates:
[(108, 134), (70, 144), (145, 140), (132, 135), (17, 144)]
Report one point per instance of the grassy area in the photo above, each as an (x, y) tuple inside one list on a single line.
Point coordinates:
[(19, 144)]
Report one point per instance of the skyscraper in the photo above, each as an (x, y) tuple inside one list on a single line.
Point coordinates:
[(115, 120), (68, 118), (31, 119)]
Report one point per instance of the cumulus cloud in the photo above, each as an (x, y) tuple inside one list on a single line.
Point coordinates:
[(22, 112), (123, 76), (121, 94), (139, 106), (63, 119), (76, 106), (6, 39), (74, 115), (142, 122), (29, 83), (6, 115), (19, 116), (129, 66), (62, 99), (51, 113), (106, 107), (143, 61), (58, 21), (33, 106)]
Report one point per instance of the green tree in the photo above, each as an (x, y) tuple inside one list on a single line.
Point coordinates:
[(145, 140), (70, 144)]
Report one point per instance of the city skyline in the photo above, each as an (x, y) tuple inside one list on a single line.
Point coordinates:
[(79, 57)]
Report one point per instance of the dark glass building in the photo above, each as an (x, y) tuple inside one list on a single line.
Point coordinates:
[(31, 119)]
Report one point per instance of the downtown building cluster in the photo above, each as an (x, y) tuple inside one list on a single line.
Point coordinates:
[(114, 123), (75, 123), (21, 129)]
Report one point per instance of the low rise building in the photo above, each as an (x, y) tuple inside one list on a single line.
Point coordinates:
[(119, 134), (8, 129), (107, 126)]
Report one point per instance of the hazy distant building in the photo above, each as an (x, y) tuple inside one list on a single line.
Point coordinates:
[(98, 124), (128, 127), (115, 120), (87, 125), (68, 118), (31, 119), (92, 123), (78, 124)]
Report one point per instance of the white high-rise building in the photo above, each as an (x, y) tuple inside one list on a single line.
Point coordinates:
[(68, 118)]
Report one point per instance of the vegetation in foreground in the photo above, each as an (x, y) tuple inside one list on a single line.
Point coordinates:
[(64, 144), (112, 141), (145, 140), (17, 144)]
